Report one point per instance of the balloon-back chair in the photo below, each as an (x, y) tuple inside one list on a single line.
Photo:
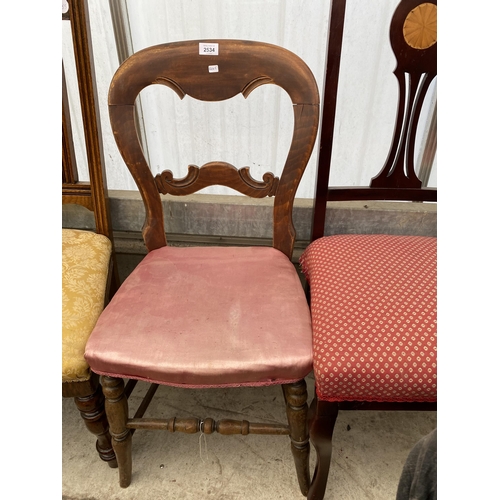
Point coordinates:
[(206, 317)]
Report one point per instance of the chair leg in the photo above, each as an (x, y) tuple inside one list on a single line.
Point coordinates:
[(92, 411), (296, 410), (322, 417), (117, 411)]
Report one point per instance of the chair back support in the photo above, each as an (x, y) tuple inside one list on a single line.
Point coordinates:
[(413, 38), (92, 195), (240, 66)]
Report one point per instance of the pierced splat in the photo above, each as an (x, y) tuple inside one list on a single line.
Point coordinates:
[(413, 36)]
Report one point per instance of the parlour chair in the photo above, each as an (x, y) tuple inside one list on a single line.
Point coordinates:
[(209, 317), (88, 270), (373, 296)]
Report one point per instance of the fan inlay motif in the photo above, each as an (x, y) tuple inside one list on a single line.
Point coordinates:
[(420, 27)]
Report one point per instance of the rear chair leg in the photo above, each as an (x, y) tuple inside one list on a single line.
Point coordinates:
[(117, 411), (296, 410), (322, 417)]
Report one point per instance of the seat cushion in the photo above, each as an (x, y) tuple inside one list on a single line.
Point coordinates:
[(373, 306), (206, 317), (85, 263)]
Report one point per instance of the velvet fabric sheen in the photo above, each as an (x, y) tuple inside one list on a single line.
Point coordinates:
[(206, 317)]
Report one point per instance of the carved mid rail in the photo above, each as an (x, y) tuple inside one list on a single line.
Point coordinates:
[(220, 173)]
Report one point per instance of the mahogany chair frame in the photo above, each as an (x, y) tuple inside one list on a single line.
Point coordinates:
[(93, 196), (244, 66), (396, 181)]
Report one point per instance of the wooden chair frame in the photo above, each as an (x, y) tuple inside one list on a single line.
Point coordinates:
[(244, 66), (93, 196), (396, 181)]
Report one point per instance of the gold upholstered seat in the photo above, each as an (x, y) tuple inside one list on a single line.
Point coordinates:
[(85, 265)]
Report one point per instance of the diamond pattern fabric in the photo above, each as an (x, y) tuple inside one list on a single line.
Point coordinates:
[(373, 306)]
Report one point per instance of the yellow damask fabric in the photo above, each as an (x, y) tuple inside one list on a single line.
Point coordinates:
[(85, 263)]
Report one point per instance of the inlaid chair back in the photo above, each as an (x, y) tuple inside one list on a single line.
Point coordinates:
[(88, 271), (209, 317), (413, 39), (373, 296)]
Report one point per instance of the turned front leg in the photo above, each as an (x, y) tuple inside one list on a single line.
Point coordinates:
[(296, 411), (92, 411), (117, 411)]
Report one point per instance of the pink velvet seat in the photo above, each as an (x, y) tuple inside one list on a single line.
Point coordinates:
[(207, 317), (373, 304)]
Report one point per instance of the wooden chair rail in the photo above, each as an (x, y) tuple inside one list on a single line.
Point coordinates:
[(217, 173), (387, 406), (117, 394), (226, 427), (381, 194), (82, 44)]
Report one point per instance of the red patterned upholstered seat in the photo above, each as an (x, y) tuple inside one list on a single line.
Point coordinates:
[(373, 304), (373, 296)]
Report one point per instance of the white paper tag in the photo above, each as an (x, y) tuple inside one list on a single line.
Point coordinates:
[(209, 49), (213, 69)]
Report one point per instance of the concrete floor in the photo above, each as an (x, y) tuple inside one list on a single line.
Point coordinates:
[(369, 448), (369, 451)]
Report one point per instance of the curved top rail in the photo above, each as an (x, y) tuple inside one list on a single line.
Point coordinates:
[(242, 66)]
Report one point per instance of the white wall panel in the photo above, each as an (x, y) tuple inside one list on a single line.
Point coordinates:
[(256, 132), (74, 102)]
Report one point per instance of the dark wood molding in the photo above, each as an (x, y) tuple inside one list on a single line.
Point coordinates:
[(329, 109)]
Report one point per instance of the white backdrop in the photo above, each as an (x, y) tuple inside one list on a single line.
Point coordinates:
[(255, 132)]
